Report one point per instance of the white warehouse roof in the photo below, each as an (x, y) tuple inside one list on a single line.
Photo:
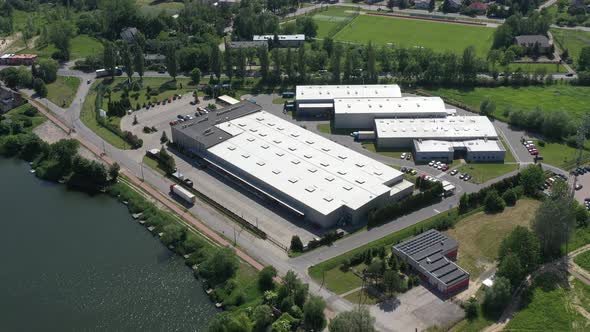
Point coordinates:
[(330, 92), (420, 106), (308, 168), (454, 127)]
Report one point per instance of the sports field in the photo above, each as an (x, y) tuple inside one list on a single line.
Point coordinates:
[(573, 40), (441, 37), (330, 20)]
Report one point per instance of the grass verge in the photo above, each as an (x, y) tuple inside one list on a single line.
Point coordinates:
[(63, 90), (583, 260), (392, 153), (361, 297), (18, 114), (82, 46), (153, 164), (485, 172)]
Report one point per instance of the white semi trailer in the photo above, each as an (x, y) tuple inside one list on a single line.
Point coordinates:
[(183, 193)]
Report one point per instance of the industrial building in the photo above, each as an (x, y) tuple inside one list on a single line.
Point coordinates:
[(314, 101), (472, 138), (312, 177), (431, 254), (18, 59), (360, 113)]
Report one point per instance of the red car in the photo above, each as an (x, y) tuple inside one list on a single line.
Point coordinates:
[(445, 168), (534, 152)]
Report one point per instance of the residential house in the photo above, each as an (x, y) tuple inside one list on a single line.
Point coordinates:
[(422, 4), (529, 41), (477, 8)]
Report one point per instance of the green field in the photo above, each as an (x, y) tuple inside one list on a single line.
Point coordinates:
[(559, 155), (550, 309), (440, 37), (485, 172), (532, 67), (329, 20), (573, 40), (63, 90), (82, 46), (572, 99), (480, 234)]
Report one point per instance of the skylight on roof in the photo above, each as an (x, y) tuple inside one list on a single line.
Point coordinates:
[(329, 178), (276, 171), (280, 154), (293, 180), (295, 161)]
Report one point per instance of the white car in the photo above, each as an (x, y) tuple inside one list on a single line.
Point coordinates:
[(403, 156), (431, 163)]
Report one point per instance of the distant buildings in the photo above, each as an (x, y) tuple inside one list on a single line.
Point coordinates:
[(281, 40), (17, 59), (249, 44), (9, 99), (529, 42)]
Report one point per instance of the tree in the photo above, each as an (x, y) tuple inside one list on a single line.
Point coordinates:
[(555, 220), (163, 138), (289, 68), (40, 87), (511, 269), (469, 65), (296, 244), (46, 70), (531, 178), (301, 63), (215, 61), (565, 54), (263, 317), (114, 171), (241, 63), (487, 107), (135, 120), (265, 278), (392, 282), (348, 66), (228, 62), (276, 59), (171, 62), (510, 197), (226, 322), (431, 5), (584, 60), (29, 30), (464, 204), (109, 56), (139, 61), (220, 266), (335, 63), (525, 245), (313, 313), (307, 26), (390, 4), (358, 320), (61, 33), (196, 75), (493, 203), (582, 216), (174, 234), (264, 63), (371, 63), (497, 296), (166, 161), (127, 61)]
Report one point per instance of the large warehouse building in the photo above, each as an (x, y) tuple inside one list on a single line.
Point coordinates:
[(360, 113), (311, 176), (431, 254), (313, 101)]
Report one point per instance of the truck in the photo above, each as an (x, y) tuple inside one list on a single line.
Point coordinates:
[(104, 73), (363, 135), (448, 188), (183, 193)]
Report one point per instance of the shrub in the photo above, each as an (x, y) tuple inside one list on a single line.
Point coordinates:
[(541, 143), (493, 202), (510, 197), (296, 244)]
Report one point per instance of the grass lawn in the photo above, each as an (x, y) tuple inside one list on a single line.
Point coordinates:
[(572, 99), (573, 40), (440, 37), (582, 292), (480, 234), (87, 115), (63, 90), (583, 260), (82, 46), (153, 164), (484, 172), (580, 238), (532, 67), (550, 309), (338, 281), (281, 101), (18, 114), (361, 297), (558, 154), (150, 7), (329, 20), (392, 153)]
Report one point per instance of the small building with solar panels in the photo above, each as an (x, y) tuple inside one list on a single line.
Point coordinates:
[(432, 255)]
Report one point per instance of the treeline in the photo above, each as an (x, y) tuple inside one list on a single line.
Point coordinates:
[(118, 107), (42, 72), (405, 206)]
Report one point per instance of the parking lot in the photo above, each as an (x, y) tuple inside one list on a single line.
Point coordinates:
[(584, 192)]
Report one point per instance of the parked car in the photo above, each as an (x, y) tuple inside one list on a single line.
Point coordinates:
[(445, 167), (404, 169), (467, 177), (454, 172), (403, 156), (414, 172), (408, 156), (578, 186), (461, 176), (431, 163), (180, 116)]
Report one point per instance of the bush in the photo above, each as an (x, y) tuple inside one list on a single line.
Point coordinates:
[(265, 278), (493, 203), (296, 244), (541, 143), (510, 197)]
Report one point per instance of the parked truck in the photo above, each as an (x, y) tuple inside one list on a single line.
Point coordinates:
[(183, 193)]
